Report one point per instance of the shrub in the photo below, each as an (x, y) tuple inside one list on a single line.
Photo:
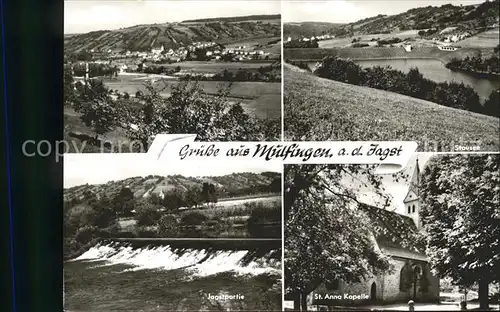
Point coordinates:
[(77, 217), (301, 44), (492, 105), (168, 226), (85, 234), (147, 214), (360, 45), (264, 221), (193, 218)]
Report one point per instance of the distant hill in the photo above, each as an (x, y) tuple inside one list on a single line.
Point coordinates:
[(142, 186), (464, 17), (319, 109), (236, 19), (173, 35), (308, 29)]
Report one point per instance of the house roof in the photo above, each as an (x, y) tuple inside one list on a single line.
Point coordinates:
[(393, 231)]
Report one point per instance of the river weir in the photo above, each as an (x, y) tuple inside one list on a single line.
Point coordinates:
[(200, 261), (180, 275)]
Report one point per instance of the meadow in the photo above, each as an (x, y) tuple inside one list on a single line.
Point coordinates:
[(217, 67), (487, 39), (382, 53), (321, 110), (260, 99)]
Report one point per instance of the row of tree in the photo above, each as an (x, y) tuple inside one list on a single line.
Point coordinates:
[(95, 70), (301, 44), (263, 74), (263, 221), (158, 69), (382, 42), (476, 64), (451, 94)]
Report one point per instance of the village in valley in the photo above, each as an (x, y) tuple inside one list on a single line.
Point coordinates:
[(212, 52)]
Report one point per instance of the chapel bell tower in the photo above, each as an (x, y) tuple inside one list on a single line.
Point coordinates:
[(412, 199)]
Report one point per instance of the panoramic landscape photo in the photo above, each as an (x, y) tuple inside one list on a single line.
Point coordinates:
[(425, 71), (189, 238), (133, 69), (423, 239)]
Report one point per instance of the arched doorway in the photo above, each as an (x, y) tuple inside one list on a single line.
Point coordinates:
[(373, 292)]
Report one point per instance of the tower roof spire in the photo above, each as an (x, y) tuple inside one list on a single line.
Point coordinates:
[(417, 172)]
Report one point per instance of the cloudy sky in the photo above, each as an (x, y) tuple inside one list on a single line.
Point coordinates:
[(85, 16), (346, 11)]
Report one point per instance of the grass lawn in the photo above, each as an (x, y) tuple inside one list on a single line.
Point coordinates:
[(216, 67), (103, 288), (321, 109), (72, 123)]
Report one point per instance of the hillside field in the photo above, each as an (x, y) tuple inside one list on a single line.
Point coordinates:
[(366, 38), (307, 29), (321, 110), (317, 54), (487, 39), (174, 35)]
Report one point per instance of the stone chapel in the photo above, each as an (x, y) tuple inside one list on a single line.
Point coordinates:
[(410, 279)]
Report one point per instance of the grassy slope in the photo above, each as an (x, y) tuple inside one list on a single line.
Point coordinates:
[(322, 109)]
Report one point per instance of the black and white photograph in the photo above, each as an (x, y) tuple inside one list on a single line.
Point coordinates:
[(422, 239), (134, 69), (424, 71), (154, 237)]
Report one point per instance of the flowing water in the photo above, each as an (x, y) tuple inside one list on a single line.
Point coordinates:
[(117, 276), (199, 262)]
